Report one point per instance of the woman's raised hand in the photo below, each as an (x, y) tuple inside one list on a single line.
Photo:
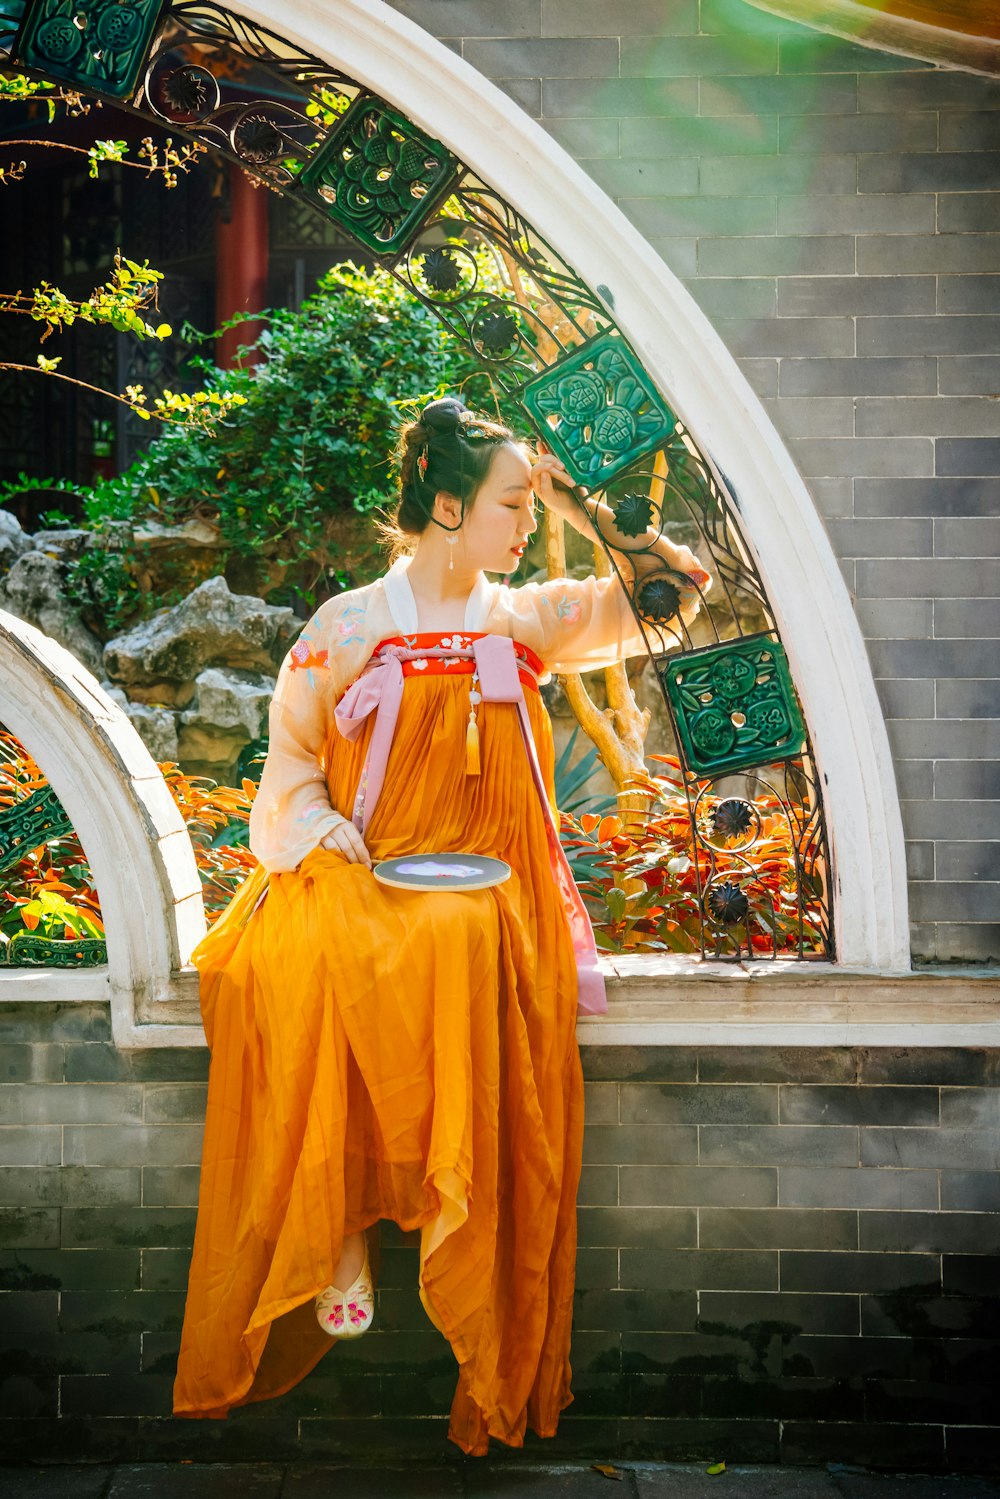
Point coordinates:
[(552, 483), (345, 839)]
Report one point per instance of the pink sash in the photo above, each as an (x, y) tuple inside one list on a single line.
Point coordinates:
[(380, 687)]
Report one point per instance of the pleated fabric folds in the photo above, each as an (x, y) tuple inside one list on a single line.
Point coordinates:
[(409, 1055)]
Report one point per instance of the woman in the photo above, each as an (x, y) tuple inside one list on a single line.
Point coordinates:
[(401, 1054)]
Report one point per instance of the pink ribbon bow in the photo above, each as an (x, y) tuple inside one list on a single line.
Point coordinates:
[(380, 688)]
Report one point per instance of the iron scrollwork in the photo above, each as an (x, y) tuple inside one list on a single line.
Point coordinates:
[(545, 338)]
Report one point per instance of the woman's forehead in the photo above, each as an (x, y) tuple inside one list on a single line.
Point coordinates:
[(510, 468)]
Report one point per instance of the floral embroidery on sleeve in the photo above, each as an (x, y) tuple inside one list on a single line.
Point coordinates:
[(568, 608), (304, 658)]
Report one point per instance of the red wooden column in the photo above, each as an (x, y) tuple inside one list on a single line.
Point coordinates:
[(240, 261)]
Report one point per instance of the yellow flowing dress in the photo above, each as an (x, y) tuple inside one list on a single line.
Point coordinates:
[(386, 1053)]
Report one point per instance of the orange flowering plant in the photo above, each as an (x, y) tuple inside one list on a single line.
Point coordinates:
[(646, 879), (49, 888)]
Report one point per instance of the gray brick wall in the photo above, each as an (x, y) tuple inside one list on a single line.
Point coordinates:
[(836, 212), (784, 1254)]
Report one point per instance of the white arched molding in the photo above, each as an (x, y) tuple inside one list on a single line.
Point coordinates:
[(134, 837), (703, 383)]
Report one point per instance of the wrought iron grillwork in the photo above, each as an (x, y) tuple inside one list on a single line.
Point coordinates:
[(545, 338)]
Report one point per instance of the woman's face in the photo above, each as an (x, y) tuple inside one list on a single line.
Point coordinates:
[(502, 517)]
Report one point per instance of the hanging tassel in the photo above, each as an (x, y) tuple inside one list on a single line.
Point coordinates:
[(472, 745)]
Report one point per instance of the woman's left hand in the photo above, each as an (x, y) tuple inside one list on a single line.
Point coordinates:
[(552, 483)]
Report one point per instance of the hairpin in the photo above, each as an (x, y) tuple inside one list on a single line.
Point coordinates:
[(422, 463)]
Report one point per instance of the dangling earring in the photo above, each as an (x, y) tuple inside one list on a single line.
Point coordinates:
[(451, 540)]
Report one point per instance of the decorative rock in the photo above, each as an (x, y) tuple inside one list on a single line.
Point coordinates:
[(156, 727), (32, 592), (211, 627), (230, 699), (62, 543), (14, 542)]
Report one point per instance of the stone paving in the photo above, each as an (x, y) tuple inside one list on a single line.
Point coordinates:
[(472, 1480)]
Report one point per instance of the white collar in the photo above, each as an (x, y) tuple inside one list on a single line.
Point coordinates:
[(403, 606)]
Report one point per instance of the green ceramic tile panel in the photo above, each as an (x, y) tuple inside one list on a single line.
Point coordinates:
[(379, 176), (735, 705), (608, 412), (95, 45)]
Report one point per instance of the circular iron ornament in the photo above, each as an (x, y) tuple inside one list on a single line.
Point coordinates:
[(257, 140), (732, 825), (180, 94), (658, 600), (494, 333), (726, 903), (441, 271), (634, 514), (444, 274)]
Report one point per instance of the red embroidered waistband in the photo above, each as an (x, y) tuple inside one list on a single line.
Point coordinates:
[(437, 666)]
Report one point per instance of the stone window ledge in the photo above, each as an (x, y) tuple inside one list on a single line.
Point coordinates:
[(653, 1000)]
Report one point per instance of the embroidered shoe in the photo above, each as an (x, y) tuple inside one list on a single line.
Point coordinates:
[(347, 1314)]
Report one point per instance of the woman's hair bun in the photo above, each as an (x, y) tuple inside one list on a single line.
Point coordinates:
[(443, 416)]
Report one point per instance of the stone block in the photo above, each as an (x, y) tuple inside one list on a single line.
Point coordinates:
[(585, 137), (869, 1104), (965, 1149), (120, 1227), (778, 1145), (974, 699), (814, 296), (973, 375), (68, 1103), (934, 497), (861, 537), (442, 18), (968, 293), (904, 699), (29, 1228), (931, 1233), (778, 93), (545, 58), (917, 577), (895, 619), (695, 56), (643, 1227), (864, 1271), (140, 1145), (710, 1186), (851, 456), (777, 1228), (955, 416), (786, 176), (967, 213), (970, 1190), (856, 1187), (735, 1310), (648, 1103), (664, 137), (820, 337), (777, 255), (930, 171), (693, 1269), (640, 1144), (858, 377), (850, 213), (624, 98), (966, 619), (30, 1145), (879, 336), (967, 861), (595, 18)]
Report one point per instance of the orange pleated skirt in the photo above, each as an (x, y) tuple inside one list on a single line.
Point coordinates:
[(409, 1055)]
